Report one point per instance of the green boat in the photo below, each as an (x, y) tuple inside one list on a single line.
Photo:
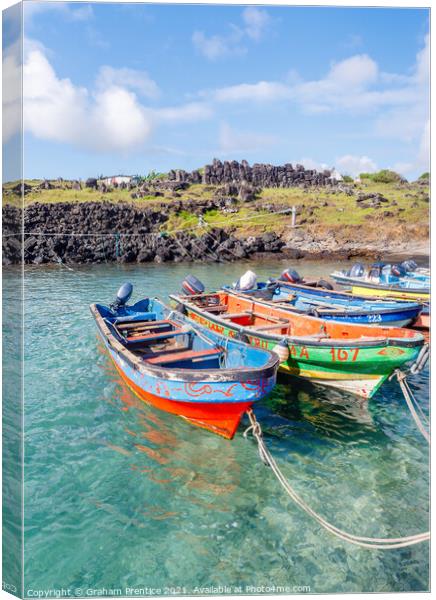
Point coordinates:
[(354, 358)]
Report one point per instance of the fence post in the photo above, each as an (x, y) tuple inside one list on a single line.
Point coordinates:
[(294, 216)]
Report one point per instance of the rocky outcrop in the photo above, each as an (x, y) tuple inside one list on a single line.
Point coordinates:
[(259, 175), (103, 232)]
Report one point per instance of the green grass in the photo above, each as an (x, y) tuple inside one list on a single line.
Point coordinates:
[(341, 211)]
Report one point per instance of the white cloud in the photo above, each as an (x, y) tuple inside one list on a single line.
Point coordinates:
[(344, 87), (109, 117), (216, 46), (358, 71), (397, 105), (354, 165), (129, 78), (422, 159), (256, 22), (263, 91), (310, 163), (193, 111), (346, 165), (11, 78), (354, 85), (234, 142), (424, 146)]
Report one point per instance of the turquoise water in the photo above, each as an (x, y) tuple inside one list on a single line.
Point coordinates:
[(119, 495)]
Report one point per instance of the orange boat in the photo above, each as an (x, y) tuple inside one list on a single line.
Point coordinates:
[(351, 357)]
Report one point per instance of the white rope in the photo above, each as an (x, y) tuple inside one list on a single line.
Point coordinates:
[(364, 542), (148, 233), (409, 398), (422, 413)]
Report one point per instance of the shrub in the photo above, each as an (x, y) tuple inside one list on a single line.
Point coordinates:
[(347, 179), (425, 176), (383, 176), (386, 176), (154, 175)]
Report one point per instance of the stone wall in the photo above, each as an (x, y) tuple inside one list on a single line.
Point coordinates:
[(98, 232), (261, 175)]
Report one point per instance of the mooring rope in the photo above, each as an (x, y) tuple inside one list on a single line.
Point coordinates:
[(364, 542), (410, 401)]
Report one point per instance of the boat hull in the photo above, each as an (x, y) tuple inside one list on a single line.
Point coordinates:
[(400, 317), (383, 290), (395, 317), (221, 419), (214, 399), (423, 321), (351, 366)]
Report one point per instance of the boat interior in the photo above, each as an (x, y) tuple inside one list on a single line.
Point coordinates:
[(264, 317), (168, 344)]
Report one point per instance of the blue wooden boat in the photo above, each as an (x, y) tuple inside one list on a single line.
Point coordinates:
[(180, 368), (380, 276), (344, 308), (311, 290)]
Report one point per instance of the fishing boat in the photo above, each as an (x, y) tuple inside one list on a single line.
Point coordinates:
[(373, 282), (177, 367), (313, 291), (350, 357), (330, 307)]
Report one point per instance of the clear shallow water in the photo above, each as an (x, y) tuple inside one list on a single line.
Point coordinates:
[(118, 494)]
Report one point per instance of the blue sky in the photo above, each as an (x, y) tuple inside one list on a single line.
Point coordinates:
[(130, 88)]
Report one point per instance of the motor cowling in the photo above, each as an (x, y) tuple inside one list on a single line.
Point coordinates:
[(409, 265), (356, 270), (291, 276), (322, 283), (248, 281), (123, 295), (191, 285), (398, 270)]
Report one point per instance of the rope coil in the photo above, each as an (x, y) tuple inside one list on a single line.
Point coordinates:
[(364, 542)]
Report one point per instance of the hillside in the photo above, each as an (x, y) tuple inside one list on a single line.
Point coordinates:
[(365, 218)]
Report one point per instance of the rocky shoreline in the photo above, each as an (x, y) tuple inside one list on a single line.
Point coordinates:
[(99, 232)]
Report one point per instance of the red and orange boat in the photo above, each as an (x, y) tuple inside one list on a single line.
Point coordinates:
[(178, 367)]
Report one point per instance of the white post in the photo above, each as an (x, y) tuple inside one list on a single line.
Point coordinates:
[(294, 215)]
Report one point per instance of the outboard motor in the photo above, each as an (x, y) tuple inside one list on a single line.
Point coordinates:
[(291, 276), (192, 286), (398, 270), (123, 296), (325, 285), (248, 281), (409, 265), (356, 270)]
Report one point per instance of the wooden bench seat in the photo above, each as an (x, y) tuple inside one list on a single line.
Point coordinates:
[(216, 308), (183, 355), (156, 336), (145, 324)]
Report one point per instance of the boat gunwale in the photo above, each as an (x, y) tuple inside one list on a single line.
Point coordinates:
[(416, 340), (341, 313), (241, 374)]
